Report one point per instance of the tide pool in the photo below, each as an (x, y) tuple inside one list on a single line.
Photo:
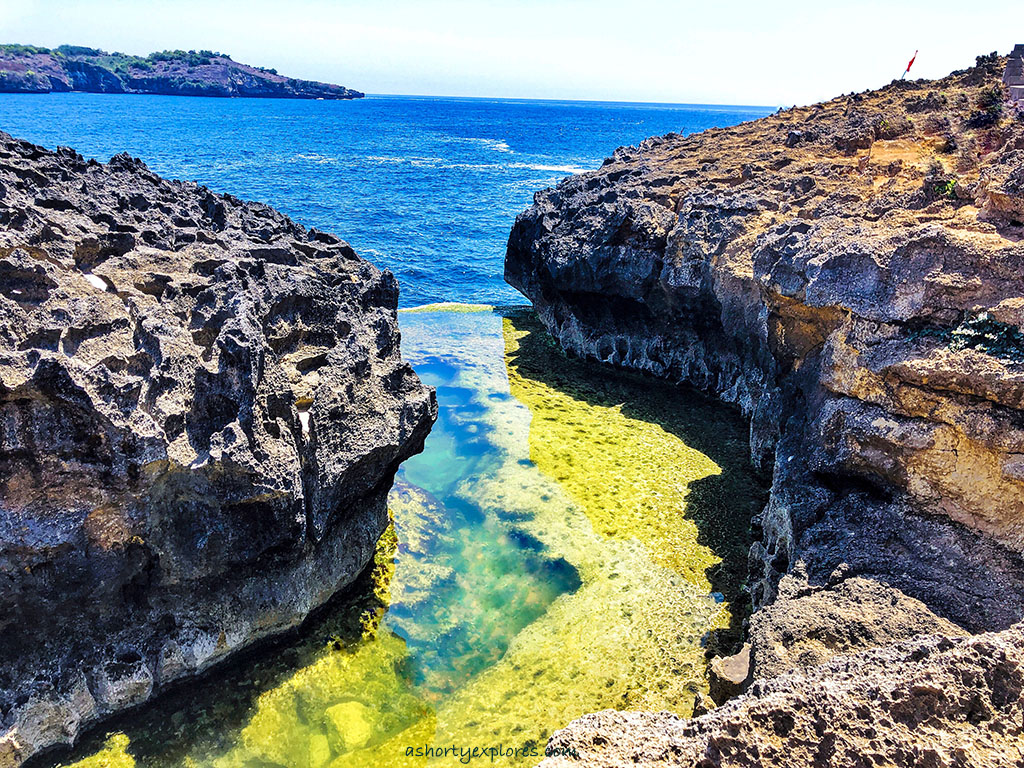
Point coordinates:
[(572, 538)]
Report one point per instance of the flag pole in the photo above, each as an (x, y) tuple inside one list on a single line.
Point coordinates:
[(912, 58)]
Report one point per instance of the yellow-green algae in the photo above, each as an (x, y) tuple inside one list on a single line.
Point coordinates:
[(631, 636), (629, 475), (446, 306), (641, 488), (635, 454), (114, 754)]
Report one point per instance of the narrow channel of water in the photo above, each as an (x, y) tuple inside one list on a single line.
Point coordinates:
[(570, 540)]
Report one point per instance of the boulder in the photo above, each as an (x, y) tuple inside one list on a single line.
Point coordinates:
[(729, 675), (202, 408)]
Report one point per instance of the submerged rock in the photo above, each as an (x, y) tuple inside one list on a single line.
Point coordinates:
[(728, 675), (202, 407), (849, 274)]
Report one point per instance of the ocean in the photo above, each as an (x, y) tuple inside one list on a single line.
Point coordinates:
[(427, 187)]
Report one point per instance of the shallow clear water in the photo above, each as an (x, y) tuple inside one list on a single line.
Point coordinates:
[(428, 187), (571, 539)]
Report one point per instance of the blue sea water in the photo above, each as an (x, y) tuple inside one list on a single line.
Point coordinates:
[(428, 187)]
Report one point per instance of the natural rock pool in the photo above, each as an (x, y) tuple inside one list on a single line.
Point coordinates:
[(572, 538)]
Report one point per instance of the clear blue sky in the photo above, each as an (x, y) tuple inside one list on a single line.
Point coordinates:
[(741, 52)]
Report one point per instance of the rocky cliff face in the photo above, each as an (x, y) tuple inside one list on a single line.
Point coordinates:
[(202, 407), (31, 69), (850, 275)]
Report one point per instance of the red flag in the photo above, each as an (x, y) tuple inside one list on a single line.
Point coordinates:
[(912, 58)]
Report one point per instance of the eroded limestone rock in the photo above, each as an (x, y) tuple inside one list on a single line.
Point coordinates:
[(845, 294), (929, 701), (202, 407)]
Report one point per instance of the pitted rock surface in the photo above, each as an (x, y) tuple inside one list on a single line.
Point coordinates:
[(932, 701), (202, 407), (857, 291)]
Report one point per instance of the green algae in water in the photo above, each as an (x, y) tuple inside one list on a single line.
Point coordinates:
[(447, 306), (643, 458), (114, 754), (555, 550)]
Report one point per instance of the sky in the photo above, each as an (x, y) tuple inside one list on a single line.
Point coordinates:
[(752, 52)]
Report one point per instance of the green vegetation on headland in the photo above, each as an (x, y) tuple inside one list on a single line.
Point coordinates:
[(35, 69), (192, 58)]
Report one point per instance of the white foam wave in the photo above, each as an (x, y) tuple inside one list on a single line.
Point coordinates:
[(442, 163), (552, 168), (498, 145), (313, 157)]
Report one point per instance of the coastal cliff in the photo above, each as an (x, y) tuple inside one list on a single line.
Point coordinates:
[(32, 69), (202, 408), (848, 274)]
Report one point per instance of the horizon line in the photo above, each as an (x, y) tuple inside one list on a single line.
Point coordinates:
[(368, 94)]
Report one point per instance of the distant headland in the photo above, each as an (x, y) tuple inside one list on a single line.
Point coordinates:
[(32, 69)]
